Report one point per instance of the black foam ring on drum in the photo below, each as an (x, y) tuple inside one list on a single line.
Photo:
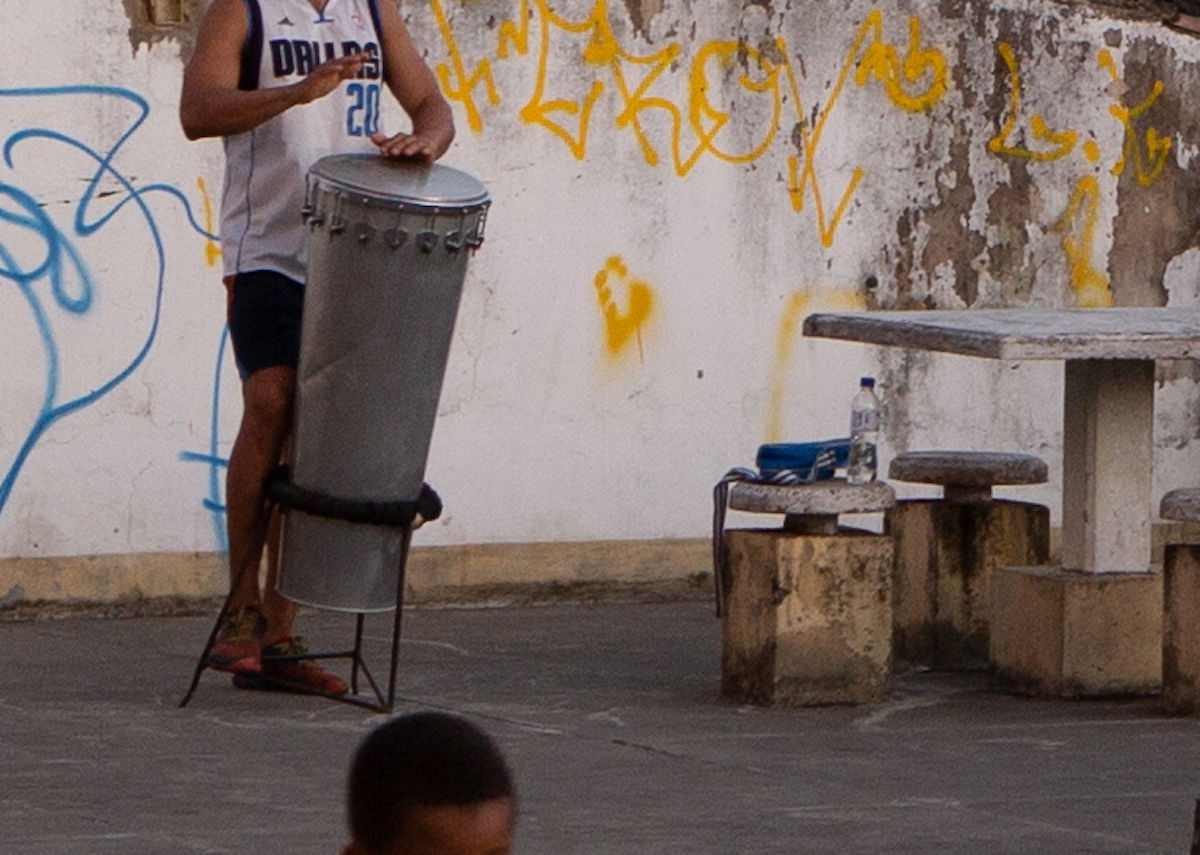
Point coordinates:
[(281, 489)]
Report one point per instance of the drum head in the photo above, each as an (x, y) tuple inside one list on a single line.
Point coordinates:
[(407, 182)]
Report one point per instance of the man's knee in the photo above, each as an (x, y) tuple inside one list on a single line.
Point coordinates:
[(268, 395)]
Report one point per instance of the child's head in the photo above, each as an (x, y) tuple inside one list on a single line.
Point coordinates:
[(429, 784)]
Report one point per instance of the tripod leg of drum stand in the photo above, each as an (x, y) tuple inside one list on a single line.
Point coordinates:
[(406, 540), (357, 663), (202, 662)]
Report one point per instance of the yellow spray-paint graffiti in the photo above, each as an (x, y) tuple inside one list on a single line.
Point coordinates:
[(1078, 223), (873, 57), (542, 110), (882, 61), (621, 326), (459, 84), (1002, 143), (212, 251), (798, 306), (1149, 165), (698, 111)]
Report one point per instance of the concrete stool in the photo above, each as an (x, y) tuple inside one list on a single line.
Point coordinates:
[(947, 550), (808, 611), (1181, 608)]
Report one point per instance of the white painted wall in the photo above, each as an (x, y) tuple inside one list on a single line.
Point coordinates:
[(548, 432)]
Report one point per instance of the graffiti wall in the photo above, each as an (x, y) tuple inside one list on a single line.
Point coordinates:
[(676, 184)]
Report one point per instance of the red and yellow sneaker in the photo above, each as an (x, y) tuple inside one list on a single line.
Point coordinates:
[(291, 675), (238, 647)]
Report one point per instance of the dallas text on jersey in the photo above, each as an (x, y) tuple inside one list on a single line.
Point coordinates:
[(297, 57)]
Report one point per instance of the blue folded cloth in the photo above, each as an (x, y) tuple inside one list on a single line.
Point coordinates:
[(816, 458), (778, 463)]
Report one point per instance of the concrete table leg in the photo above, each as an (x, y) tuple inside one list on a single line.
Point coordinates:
[(1094, 626), (1108, 464), (1059, 633)]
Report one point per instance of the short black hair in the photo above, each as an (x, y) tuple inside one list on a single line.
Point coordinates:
[(421, 759)]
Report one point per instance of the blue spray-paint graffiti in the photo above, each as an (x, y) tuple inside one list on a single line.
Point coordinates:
[(56, 282), (215, 463)]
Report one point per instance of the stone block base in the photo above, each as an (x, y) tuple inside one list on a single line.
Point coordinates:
[(1061, 633), (946, 553), (808, 618), (1181, 629)]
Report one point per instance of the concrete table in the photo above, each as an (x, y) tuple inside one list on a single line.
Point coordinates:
[(1108, 404)]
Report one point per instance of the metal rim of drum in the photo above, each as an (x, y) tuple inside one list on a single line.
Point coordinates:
[(325, 169), (404, 206), (313, 213), (396, 237)]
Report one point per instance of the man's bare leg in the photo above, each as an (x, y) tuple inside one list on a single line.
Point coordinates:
[(253, 524), (266, 420)]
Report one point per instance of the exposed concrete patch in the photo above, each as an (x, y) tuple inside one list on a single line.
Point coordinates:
[(1134, 10), (1181, 280), (951, 240), (1010, 208), (1155, 220), (952, 8), (144, 32), (641, 15)]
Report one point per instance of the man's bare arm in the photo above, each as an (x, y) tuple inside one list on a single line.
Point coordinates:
[(413, 84), (211, 105)]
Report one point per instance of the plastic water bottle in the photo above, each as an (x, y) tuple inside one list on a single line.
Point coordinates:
[(864, 434)]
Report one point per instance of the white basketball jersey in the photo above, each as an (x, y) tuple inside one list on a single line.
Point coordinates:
[(261, 227)]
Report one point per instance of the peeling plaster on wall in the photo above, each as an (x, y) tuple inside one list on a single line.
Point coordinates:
[(1177, 399), (1155, 223), (1181, 281), (1047, 35), (1011, 26), (955, 8), (1134, 10), (1010, 207), (1185, 152), (642, 14), (900, 292), (951, 239), (143, 33)]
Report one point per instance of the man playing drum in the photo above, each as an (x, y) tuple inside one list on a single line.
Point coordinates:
[(285, 82)]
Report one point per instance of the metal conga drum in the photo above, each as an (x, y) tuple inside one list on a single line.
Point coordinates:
[(387, 256)]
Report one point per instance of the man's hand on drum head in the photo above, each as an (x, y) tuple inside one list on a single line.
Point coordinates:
[(412, 146), (328, 76)]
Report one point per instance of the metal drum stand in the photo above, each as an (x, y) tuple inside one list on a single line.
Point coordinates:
[(287, 496)]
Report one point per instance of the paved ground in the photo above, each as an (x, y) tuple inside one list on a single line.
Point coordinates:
[(611, 718)]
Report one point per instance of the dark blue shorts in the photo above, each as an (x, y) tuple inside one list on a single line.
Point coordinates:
[(264, 320)]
